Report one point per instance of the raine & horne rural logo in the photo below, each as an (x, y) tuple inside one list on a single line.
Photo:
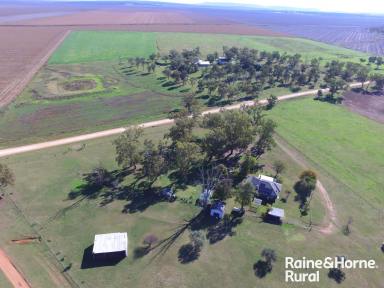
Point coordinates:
[(296, 270)]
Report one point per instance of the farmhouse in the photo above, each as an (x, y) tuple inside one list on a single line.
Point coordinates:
[(267, 187), (112, 245), (218, 210)]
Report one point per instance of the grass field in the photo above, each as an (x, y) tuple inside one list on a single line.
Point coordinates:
[(4, 281), (90, 46), (42, 193), (347, 148), (122, 96)]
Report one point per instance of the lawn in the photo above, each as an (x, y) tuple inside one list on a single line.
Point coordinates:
[(348, 150), (42, 195), (4, 281)]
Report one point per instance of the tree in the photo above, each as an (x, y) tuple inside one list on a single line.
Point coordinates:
[(279, 167), (192, 105), (6, 176), (186, 155), (127, 147), (167, 72), (306, 184), (228, 131), (182, 130), (265, 141), (223, 190), (272, 100), (153, 162), (269, 256), (362, 76), (248, 165), (149, 240), (244, 194), (379, 81)]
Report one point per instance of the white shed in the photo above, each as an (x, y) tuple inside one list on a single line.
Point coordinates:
[(111, 244)]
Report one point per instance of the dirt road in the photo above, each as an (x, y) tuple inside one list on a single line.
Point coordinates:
[(110, 132), (10, 271), (329, 226)]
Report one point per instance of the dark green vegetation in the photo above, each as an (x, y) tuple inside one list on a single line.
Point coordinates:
[(119, 94)]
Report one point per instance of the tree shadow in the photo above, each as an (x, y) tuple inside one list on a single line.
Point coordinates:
[(188, 253), (141, 251), (222, 229), (336, 274), (261, 268), (89, 261), (195, 223)]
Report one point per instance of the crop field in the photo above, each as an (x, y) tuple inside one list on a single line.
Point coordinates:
[(22, 53), (346, 30), (348, 147), (45, 110), (42, 196)]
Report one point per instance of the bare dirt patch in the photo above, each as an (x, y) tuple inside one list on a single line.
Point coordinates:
[(23, 51), (79, 85), (10, 271), (26, 240), (367, 104)]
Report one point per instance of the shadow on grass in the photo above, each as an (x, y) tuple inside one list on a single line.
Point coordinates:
[(89, 261), (261, 268), (222, 229)]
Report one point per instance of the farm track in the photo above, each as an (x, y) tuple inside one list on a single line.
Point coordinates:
[(329, 227), (84, 137), (10, 92), (11, 272)]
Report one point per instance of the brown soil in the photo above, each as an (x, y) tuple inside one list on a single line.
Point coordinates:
[(367, 104), (26, 240), (23, 51), (11, 272), (79, 85)]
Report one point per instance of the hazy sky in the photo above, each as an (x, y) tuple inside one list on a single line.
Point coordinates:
[(354, 6)]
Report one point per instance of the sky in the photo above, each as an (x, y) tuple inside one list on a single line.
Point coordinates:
[(348, 6)]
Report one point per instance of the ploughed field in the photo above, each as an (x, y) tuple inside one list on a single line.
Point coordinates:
[(347, 30), (21, 52), (120, 95)]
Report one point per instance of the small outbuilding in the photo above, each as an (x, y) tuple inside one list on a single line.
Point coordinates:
[(169, 194), (203, 63), (112, 245), (277, 213), (218, 210)]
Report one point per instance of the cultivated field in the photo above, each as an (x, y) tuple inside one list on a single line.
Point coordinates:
[(347, 30), (125, 96), (23, 51), (370, 105)]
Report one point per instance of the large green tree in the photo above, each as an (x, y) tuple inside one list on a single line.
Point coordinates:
[(128, 153), (244, 194)]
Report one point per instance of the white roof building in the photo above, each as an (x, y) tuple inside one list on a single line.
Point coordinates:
[(203, 63), (111, 243)]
